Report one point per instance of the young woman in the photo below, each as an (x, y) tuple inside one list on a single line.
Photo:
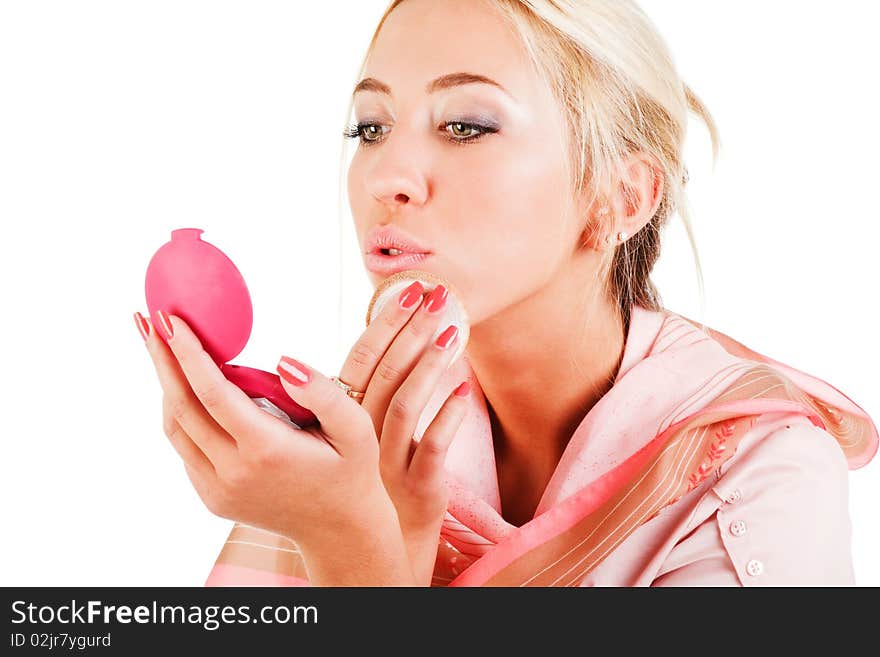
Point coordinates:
[(534, 151)]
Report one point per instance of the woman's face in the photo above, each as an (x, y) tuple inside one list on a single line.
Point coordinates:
[(490, 207)]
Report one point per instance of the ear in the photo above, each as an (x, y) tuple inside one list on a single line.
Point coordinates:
[(631, 201), (639, 193)]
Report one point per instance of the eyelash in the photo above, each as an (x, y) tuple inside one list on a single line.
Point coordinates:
[(357, 131)]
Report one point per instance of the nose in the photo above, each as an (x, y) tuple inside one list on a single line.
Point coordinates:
[(396, 178)]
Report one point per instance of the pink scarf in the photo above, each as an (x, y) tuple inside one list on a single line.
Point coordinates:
[(682, 400)]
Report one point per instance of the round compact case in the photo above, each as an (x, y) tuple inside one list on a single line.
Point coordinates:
[(196, 281), (453, 313)]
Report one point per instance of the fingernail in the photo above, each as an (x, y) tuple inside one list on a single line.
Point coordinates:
[(142, 325), (293, 371), (165, 320), (447, 337), (411, 295), (463, 389), (437, 299)]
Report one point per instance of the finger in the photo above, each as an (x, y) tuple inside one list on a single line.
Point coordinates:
[(429, 457), (342, 419), (361, 362), (408, 403), (184, 407), (185, 447), (401, 358), (224, 401)]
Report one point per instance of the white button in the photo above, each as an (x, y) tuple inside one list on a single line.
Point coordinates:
[(754, 567), (734, 496), (738, 528)]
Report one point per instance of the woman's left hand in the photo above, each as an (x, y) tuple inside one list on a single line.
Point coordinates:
[(316, 485)]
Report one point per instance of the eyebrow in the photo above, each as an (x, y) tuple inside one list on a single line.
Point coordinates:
[(443, 82)]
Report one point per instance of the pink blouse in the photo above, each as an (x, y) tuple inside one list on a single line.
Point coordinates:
[(777, 515)]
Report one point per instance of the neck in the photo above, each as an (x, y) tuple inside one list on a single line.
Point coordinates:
[(543, 364)]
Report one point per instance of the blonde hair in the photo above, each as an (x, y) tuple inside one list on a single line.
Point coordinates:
[(616, 83)]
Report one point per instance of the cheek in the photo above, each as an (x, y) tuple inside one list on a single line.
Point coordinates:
[(510, 202), (356, 192), (509, 210), (508, 184)]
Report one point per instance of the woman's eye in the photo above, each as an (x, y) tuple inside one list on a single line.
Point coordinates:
[(462, 129), (367, 133), (462, 132), (371, 132)]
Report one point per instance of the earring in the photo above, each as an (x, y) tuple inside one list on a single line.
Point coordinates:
[(621, 237)]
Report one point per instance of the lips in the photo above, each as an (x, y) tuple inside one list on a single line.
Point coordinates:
[(389, 237), (387, 265)]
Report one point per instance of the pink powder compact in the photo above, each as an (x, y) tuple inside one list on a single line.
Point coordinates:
[(196, 281)]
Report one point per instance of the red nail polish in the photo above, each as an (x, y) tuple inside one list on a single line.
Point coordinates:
[(447, 337), (165, 320), (411, 295), (142, 325), (437, 299), (463, 389), (293, 371)]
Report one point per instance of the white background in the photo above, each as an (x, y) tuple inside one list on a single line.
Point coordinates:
[(120, 121)]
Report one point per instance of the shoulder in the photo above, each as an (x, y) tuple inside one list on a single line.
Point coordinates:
[(783, 516), (786, 453)]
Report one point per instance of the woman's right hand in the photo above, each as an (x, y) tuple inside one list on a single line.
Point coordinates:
[(398, 371)]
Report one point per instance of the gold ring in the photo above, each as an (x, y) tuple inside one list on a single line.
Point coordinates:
[(354, 394)]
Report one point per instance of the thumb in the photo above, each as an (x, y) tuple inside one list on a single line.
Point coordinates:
[(342, 419)]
